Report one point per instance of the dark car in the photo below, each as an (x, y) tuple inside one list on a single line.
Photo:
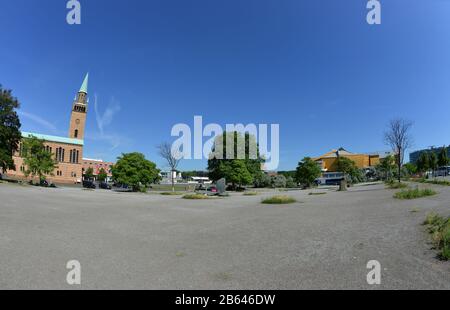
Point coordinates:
[(89, 184), (104, 185)]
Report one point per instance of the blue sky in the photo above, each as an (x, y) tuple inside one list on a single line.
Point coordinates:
[(315, 67)]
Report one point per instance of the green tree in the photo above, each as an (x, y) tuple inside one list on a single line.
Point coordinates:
[(89, 173), (433, 160), (102, 175), (385, 169), (307, 172), (410, 168), (262, 180), (37, 160), (245, 149), (235, 172), (10, 135), (279, 181), (423, 162), (134, 170), (443, 157), (349, 168)]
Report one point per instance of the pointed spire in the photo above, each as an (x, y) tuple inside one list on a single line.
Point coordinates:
[(84, 86)]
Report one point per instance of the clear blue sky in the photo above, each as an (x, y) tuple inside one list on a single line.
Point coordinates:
[(315, 67)]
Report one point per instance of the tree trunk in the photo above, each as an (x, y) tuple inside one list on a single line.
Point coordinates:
[(173, 183)]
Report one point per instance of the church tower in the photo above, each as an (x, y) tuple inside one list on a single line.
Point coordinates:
[(79, 110)]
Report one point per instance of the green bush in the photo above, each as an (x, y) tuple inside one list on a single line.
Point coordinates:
[(414, 193), (195, 196), (280, 199), (439, 228)]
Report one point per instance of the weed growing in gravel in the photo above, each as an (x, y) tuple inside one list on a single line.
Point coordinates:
[(439, 228)]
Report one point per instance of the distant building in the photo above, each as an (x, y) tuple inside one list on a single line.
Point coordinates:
[(414, 156), (67, 151), (328, 161), (97, 165)]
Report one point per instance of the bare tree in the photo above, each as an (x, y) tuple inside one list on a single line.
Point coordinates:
[(173, 159), (399, 139)]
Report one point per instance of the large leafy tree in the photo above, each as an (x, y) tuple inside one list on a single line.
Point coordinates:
[(134, 170), (307, 172), (349, 168), (235, 172), (89, 173), (443, 157), (386, 168), (245, 145), (37, 160), (433, 160), (9, 129), (423, 162)]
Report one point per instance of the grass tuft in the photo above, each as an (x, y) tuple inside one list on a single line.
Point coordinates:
[(281, 199), (195, 196), (414, 193), (439, 229)]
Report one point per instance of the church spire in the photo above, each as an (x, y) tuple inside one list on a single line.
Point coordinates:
[(84, 86)]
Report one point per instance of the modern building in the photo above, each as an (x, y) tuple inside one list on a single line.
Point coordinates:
[(328, 161), (67, 151), (414, 156), (97, 165)]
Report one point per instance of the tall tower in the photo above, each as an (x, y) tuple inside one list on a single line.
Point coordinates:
[(79, 110)]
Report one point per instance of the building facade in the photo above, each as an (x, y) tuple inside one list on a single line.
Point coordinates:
[(67, 151), (328, 161), (97, 165)]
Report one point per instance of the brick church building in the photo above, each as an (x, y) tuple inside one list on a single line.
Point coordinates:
[(67, 151)]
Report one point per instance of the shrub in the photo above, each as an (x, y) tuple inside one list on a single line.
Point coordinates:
[(414, 193), (279, 200), (195, 196), (439, 228)]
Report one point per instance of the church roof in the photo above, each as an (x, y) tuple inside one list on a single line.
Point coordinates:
[(84, 86), (53, 138)]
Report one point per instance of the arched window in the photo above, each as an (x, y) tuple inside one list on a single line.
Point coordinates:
[(76, 133)]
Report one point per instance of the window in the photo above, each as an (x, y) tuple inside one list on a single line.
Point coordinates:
[(76, 133)]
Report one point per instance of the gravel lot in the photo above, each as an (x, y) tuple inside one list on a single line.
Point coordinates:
[(150, 241)]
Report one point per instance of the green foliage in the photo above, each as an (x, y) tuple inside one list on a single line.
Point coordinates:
[(102, 175), (244, 145), (423, 162), (10, 135), (414, 193), (188, 174), (134, 170), (262, 180), (433, 160), (307, 172), (439, 228), (385, 169), (278, 181), (37, 160), (235, 172), (281, 199), (171, 193), (410, 169), (288, 174), (349, 168), (443, 157), (290, 183), (89, 173), (195, 196)]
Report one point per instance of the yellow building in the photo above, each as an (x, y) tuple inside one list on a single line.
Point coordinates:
[(328, 160)]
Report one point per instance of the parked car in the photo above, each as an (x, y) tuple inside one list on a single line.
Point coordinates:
[(213, 189), (89, 184), (104, 185), (44, 183), (122, 188)]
